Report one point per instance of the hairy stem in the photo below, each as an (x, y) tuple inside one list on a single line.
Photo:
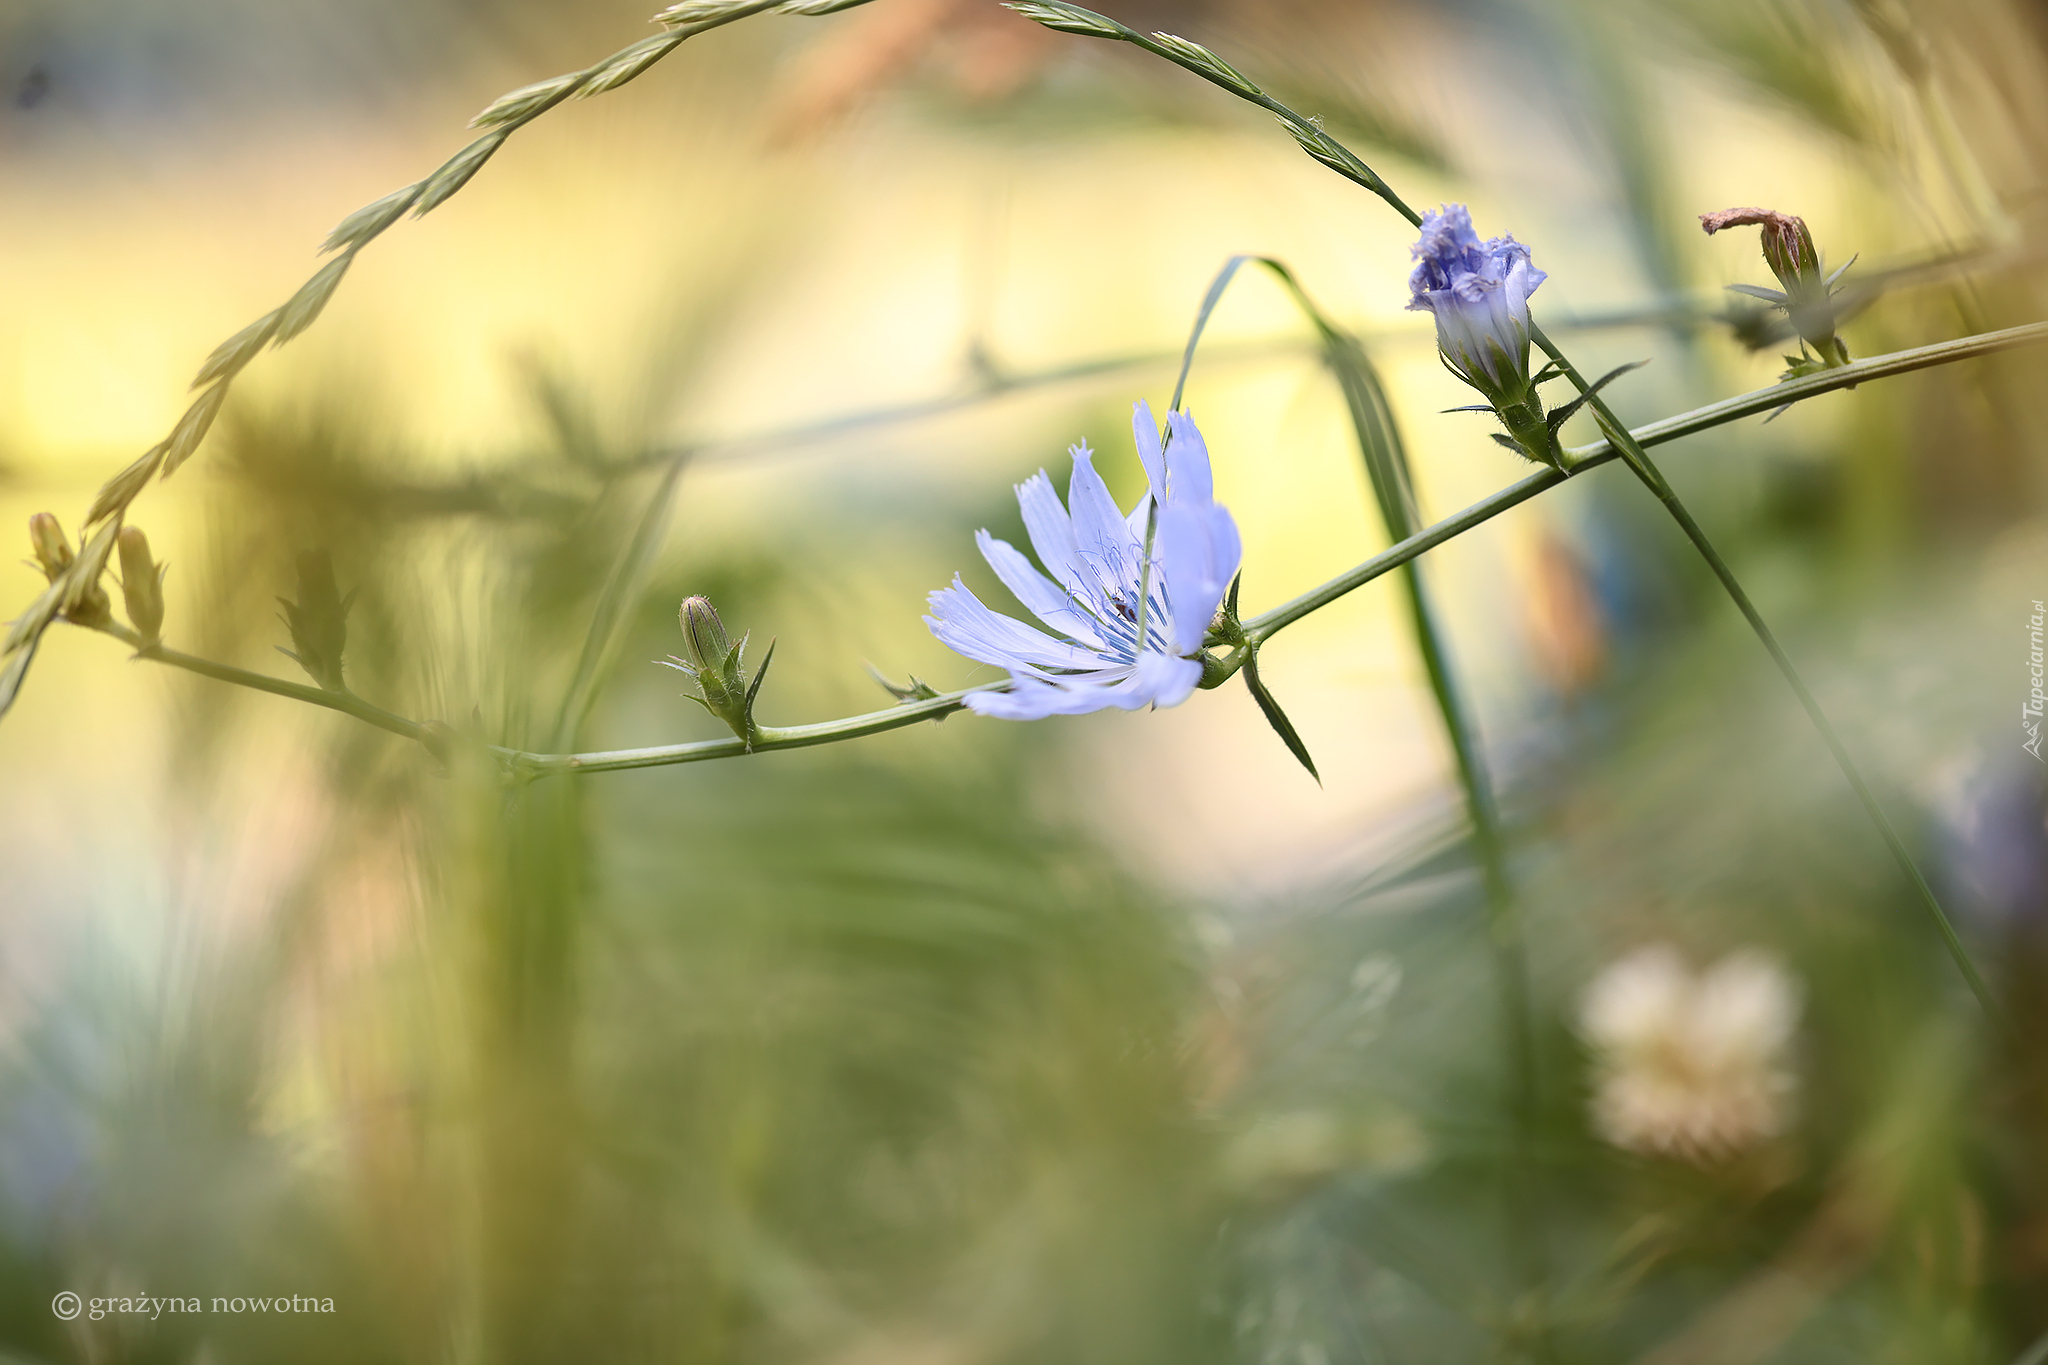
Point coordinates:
[(526, 766), (770, 737)]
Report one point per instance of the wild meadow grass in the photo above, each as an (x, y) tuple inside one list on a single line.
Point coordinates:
[(1682, 1007)]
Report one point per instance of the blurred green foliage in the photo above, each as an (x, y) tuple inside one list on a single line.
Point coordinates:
[(884, 1053)]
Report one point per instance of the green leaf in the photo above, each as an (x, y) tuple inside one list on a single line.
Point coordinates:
[(621, 590), (1275, 717), (1209, 302), (754, 688), (1559, 416), (918, 690)]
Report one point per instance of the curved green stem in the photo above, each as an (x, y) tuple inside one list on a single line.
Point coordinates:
[(348, 703), (521, 764), (1308, 132), (770, 737), (1793, 390), (1265, 625)]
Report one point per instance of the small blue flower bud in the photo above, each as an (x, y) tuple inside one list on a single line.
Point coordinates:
[(1479, 293)]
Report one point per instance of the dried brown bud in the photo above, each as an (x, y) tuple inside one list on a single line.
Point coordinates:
[(1788, 245)]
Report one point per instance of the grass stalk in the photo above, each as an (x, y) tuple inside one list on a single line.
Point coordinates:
[(1387, 472), (1386, 463), (1638, 459)]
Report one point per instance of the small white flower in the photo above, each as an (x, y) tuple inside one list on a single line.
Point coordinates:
[(1124, 638), (1691, 1066)]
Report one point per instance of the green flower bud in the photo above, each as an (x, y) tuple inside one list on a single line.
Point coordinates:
[(718, 666), (142, 583), (53, 551), (704, 638)]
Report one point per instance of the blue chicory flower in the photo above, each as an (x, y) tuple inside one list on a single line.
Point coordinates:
[(1479, 292), (1095, 559)]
